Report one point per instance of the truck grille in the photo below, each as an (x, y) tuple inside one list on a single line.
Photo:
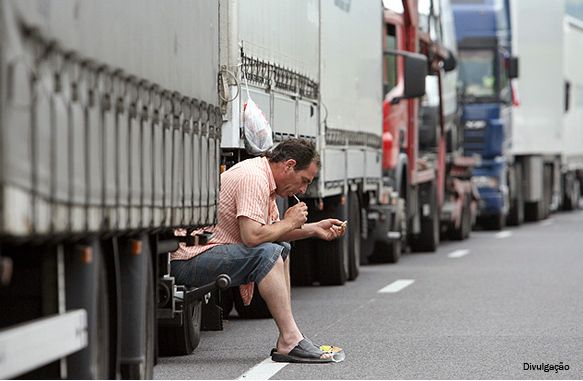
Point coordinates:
[(474, 141)]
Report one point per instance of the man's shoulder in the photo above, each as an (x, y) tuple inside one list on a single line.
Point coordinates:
[(248, 168), (247, 171)]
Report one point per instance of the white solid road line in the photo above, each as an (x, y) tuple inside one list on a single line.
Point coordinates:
[(396, 286), (264, 370), (458, 253), (504, 234)]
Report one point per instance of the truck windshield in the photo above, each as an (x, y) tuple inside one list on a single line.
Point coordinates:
[(477, 72)]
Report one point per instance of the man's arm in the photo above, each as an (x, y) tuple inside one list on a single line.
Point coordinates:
[(327, 229), (254, 233)]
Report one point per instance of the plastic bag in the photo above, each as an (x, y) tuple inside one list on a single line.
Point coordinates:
[(258, 136)]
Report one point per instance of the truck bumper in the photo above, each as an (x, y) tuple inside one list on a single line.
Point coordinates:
[(491, 201)]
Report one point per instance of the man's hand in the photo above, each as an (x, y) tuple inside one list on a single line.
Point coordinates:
[(329, 229), (297, 215)]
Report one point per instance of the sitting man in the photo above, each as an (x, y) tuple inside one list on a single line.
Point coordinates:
[(249, 242)]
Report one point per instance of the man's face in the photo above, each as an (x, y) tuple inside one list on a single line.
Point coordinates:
[(293, 181)]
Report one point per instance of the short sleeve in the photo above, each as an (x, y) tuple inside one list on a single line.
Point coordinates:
[(274, 212), (252, 198)]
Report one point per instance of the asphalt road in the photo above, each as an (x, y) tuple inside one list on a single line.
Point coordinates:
[(484, 308)]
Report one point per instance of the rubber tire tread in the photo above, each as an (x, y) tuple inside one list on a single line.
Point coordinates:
[(428, 239), (516, 212), (183, 340), (354, 236)]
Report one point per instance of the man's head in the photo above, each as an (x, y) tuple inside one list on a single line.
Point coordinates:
[(294, 163)]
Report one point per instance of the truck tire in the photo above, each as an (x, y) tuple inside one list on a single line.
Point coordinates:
[(428, 238), (302, 256), (182, 340), (495, 222), (150, 333), (572, 192), (516, 212), (389, 250), (547, 189), (333, 262), (87, 287), (256, 310), (138, 308), (463, 231), (577, 197), (103, 345), (227, 302), (533, 211), (333, 256), (354, 235)]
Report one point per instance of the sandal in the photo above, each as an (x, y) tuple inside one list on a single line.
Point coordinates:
[(307, 352)]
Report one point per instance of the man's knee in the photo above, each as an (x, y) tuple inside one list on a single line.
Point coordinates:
[(267, 258), (270, 250)]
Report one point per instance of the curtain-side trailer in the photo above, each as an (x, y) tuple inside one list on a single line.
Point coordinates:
[(109, 139)]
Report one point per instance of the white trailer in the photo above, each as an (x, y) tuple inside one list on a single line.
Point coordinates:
[(109, 139), (544, 141), (314, 68), (572, 158)]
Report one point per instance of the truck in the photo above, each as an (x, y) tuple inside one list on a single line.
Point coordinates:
[(572, 158), (441, 138), (110, 128), (530, 158), (545, 135), (485, 32), (410, 197), (319, 77), (429, 193)]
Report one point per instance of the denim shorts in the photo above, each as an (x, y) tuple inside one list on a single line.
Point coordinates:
[(243, 264)]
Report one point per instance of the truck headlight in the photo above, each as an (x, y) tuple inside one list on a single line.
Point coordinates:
[(475, 124), (485, 181)]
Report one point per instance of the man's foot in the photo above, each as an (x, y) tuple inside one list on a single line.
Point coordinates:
[(306, 352)]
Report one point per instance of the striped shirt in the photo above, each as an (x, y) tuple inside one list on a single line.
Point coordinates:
[(247, 189)]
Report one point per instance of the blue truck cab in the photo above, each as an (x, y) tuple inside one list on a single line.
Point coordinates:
[(483, 33)]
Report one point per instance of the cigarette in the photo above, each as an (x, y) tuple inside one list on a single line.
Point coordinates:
[(298, 200), (343, 226)]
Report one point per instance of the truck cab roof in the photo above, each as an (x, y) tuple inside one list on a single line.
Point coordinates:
[(481, 18)]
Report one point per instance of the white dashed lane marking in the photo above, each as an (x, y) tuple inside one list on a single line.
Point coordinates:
[(264, 370), (458, 253), (396, 286), (504, 234)]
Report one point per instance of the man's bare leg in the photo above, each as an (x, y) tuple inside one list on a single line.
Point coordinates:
[(274, 291), (288, 276)]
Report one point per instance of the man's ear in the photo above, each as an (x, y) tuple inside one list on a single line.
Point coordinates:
[(290, 163)]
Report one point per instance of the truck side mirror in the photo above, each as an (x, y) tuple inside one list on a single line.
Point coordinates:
[(415, 73), (450, 62), (513, 67)]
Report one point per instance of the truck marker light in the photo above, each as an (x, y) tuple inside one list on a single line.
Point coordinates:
[(86, 254), (136, 247)]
